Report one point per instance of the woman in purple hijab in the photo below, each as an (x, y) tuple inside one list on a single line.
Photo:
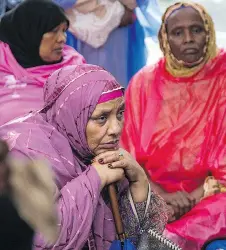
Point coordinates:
[(77, 133)]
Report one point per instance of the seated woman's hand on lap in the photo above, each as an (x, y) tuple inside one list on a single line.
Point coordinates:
[(181, 202)]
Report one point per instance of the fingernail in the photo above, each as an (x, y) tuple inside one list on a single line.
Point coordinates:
[(110, 165), (101, 161)]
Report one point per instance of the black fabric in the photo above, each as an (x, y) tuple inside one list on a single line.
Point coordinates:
[(22, 29), (15, 234)]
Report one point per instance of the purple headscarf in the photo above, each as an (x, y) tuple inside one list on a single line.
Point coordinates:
[(71, 95), (58, 134)]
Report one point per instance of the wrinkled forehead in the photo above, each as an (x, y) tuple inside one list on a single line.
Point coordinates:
[(112, 105), (183, 16)]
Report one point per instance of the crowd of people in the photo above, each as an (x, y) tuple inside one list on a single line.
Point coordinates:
[(79, 117)]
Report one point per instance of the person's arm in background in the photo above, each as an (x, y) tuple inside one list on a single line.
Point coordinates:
[(137, 216)]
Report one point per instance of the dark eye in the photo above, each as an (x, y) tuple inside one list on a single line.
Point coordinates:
[(197, 30), (177, 33), (101, 119), (120, 114)]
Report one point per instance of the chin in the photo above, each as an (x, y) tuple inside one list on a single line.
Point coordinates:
[(58, 59), (53, 60), (102, 150), (192, 61), (192, 64)]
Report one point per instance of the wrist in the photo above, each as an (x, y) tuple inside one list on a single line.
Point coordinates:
[(139, 190), (102, 176)]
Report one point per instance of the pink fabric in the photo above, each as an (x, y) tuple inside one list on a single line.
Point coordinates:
[(57, 134), (21, 90), (176, 128), (105, 97)]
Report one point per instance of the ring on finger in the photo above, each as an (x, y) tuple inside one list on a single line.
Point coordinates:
[(120, 156)]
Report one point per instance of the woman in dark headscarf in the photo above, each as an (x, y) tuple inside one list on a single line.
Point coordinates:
[(32, 46)]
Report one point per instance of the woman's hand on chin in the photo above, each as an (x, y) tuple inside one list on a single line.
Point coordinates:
[(121, 159)]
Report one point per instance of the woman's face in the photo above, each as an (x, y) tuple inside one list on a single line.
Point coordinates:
[(105, 125), (186, 35), (51, 47)]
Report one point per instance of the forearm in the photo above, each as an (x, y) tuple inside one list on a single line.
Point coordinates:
[(150, 214), (139, 190), (156, 187), (198, 193)]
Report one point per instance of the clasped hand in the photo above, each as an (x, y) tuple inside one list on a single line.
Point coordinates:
[(113, 166)]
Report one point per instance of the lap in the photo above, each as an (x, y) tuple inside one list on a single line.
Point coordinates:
[(206, 220)]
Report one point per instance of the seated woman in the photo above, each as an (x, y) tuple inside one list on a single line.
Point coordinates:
[(32, 46), (82, 119), (175, 125)]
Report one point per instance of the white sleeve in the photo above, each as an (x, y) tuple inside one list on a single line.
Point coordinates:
[(94, 27)]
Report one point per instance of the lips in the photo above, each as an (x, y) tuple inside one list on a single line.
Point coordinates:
[(59, 49), (191, 51), (110, 145)]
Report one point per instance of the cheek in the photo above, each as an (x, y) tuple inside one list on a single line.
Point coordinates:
[(202, 41), (175, 44), (46, 47), (94, 135)]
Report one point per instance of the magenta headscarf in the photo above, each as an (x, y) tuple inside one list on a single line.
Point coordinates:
[(58, 134)]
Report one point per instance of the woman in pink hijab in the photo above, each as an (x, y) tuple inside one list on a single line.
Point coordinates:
[(32, 46), (77, 133)]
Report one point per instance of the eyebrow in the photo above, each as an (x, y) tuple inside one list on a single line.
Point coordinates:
[(122, 105), (107, 110), (178, 26)]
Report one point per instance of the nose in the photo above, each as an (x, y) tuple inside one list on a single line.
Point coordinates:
[(115, 128), (188, 37), (62, 37)]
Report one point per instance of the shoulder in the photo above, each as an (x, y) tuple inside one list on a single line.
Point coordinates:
[(70, 54), (19, 132), (144, 78)]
